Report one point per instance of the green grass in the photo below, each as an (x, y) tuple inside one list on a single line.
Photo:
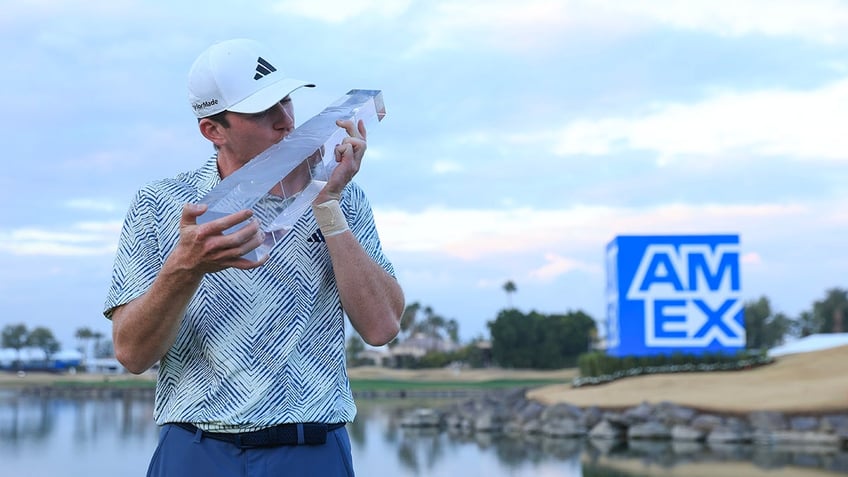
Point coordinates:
[(356, 384), (110, 383), (399, 385)]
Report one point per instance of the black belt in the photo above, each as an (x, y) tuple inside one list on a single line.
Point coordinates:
[(309, 433)]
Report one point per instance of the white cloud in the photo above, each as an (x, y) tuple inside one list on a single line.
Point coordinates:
[(446, 167), (82, 239), (531, 25), (752, 258), (338, 11), (816, 20), (804, 125), (504, 24), (97, 205), (557, 265), (478, 235)]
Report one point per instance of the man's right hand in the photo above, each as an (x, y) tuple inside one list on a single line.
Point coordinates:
[(205, 249), (145, 328)]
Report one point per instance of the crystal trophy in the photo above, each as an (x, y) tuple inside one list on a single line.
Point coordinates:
[(280, 183)]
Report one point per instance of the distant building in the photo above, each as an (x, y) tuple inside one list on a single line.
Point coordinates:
[(36, 360), (419, 345), (374, 357), (104, 366)]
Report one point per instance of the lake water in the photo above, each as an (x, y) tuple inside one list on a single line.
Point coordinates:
[(92, 437)]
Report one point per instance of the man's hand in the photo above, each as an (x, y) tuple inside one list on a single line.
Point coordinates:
[(349, 157), (205, 249)]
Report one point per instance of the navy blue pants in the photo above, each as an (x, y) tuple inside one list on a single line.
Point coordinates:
[(182, 453)]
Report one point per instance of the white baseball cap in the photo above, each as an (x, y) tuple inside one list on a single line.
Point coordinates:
[(237, 75)]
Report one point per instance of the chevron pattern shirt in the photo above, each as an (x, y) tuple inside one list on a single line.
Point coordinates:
[(256, 348)]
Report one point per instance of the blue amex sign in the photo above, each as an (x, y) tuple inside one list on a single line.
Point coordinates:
[(668, 294)]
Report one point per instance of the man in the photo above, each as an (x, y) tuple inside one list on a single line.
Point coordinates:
[(252, 376)]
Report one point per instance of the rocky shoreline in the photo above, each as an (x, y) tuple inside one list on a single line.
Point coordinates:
[(510, 412)]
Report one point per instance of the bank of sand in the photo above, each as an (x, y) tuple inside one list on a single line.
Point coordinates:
[(807, 382)]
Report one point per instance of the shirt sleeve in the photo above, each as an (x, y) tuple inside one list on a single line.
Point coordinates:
[(138, 258), (360, 219)]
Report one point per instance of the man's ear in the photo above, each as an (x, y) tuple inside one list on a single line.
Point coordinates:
[(211, 130)]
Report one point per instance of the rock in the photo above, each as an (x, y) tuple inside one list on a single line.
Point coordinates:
[(531, 410), (591, 417), (511, 412), (533, 427), (727, 435), (804, 424), (738, 425), (768, 420), (513, 428), (489, 421), (706, 422), (421, 417), (687, 433), (833, 423), (671, 414), (805, 438), (616, 419), (649, 430), (563, 428), (639, 414), (560, 411), (607, 430), (454, 421)]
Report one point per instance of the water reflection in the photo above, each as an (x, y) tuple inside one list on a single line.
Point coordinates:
[(90, 436), (42, 436), (23, 421), (28, 420), (679, 455), (432, 452)]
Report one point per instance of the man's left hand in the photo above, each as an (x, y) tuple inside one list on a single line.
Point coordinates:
[(349, 158)]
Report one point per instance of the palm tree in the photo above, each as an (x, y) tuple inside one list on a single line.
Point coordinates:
[(84, 335), (510, 288), (14, 336), (96, 336)]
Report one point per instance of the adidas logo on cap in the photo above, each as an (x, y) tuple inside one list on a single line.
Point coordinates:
[(263, 69)]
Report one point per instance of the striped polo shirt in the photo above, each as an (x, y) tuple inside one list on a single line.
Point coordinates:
[(256, 347)]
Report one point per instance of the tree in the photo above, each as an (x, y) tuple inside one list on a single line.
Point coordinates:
[(14, 337), (433, 325), (83, 335), (408, 318), (763, 330), (96, 336), (452, 329), (43, 338), (104, 349), (829, 313), (540, 341), (355, 345), (757, 314), (510, 288), (780, 326)]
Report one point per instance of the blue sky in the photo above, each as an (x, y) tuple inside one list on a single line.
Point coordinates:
[(521, 137)]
